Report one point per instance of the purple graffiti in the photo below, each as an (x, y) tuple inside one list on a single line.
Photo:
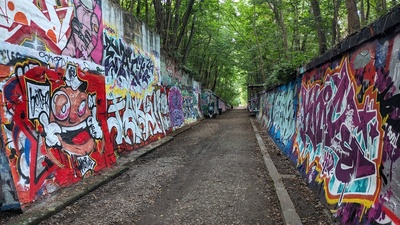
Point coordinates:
[(332, 125), (175, 107)]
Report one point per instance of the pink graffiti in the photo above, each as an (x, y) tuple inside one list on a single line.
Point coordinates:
[(86, 29)]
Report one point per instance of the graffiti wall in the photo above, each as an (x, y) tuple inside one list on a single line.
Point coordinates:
[(137, 107), (208, 98), (71, 28), (278, 114), (78, 87), (189, 106), (339, 123), (53, 120)]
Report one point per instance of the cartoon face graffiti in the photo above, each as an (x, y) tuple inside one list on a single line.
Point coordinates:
[(71, 124)]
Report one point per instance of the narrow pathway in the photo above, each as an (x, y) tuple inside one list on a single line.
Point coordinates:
[(224, 182), (213, 173)]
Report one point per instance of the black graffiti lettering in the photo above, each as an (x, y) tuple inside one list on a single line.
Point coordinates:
[(39, 99), (59, 61), (9, 55), (85, 164), (123, 64)]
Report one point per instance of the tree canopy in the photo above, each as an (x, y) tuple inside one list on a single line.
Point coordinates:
[(229, 44)]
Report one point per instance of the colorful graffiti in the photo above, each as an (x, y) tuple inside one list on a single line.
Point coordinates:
[(85, 39), (127, 68), (74, 98), (189, 105), (60, 27), (176, 107), (280, 107), (54, 124), (344, 134), (137, 111), (346, 131), (207, 98)]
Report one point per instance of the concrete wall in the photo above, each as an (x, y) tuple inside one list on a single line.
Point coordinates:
[(339, 123), (81, 83), (210, 98)]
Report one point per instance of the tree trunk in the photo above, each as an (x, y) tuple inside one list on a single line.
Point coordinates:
[(296, 36), (260, 65), (304, 42), (176, 22), (159, 11), (168, 24), (353, 20), (381, 7), (203, 56), (362, 13), (185, 21), (214, 84), (335, 25), (319, 26), (131, 6), (139, 5), (189, 42), (275, 7)]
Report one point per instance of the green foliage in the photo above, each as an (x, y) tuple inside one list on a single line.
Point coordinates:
[(240, 42), (281, 73)]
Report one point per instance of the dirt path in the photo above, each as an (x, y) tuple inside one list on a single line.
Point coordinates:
[(213, 173), (210, 174), (224, 181)]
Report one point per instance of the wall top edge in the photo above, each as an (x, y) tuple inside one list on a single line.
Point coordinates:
[(383, 26)]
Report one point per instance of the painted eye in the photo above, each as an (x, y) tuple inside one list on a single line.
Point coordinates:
[(82, 108), (61, 105)]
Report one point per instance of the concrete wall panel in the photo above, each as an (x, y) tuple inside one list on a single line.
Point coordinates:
[(79, 86), (339, 122)]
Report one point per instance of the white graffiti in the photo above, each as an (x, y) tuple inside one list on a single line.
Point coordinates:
[(281, 117), (141, 118), (392, 137), (85, 164)]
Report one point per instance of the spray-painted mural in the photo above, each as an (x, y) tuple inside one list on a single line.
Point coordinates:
[(137, 111), (70, 28), (279, 113), (53, 120), (175, 107), (74, 94), (189, 105), (345, 133), (208, 98)]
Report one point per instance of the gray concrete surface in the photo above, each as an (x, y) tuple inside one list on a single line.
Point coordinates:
[(50, 206), (290, 216)]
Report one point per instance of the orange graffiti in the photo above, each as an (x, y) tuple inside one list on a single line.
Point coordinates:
[(21, 18), (11, 6), (52, 35), (5, 71)]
